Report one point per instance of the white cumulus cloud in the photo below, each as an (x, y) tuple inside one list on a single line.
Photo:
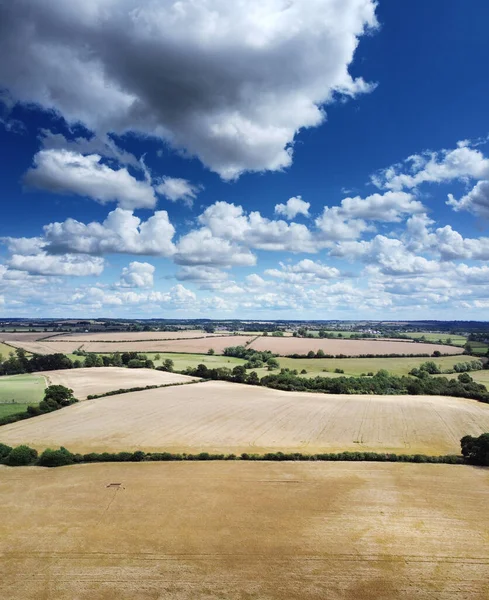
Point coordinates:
[(293, 207), (137, 275), (121, 232), (67, 172), (229, 82)]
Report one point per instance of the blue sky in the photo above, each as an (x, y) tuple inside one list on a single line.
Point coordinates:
[(258, 159)]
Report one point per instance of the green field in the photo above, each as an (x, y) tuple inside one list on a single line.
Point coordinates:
[(479, 348), (456, 340), (182, 361), (5, 350), (18, 391), (357, 366)]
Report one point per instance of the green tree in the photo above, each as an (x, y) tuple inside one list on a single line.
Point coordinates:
[(21, 456), (253, 378), (272, 363), (476, 449), (320, 353), (168, 364), (211, 351), (56, 458), (239, 373)]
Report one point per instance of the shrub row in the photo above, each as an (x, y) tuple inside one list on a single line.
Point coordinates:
[(24, 456), (137, 389)]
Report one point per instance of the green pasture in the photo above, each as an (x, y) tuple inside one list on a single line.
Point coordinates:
[(357, 366), (5, 350), (456, 340), (18, 391)]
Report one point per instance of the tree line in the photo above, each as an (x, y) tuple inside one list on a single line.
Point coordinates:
[(381, 383), (25, 456)]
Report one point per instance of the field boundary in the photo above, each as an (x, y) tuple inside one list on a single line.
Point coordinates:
[(63, 457), (141, 389)]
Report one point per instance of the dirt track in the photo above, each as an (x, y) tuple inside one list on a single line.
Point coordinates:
[(99, 380), (234, 531), (226, 417)]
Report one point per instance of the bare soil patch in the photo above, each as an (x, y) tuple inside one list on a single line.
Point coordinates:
[(218, 416), (245, 530), (85, 382), (286, 346)]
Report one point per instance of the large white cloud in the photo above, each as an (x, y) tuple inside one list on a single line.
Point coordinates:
[(293, 207), (201, 247), (435, 167), (68, 172), (121, 232), (67, 264), (137, 275), (230, 82), (229, 221), (476, 201), (390, 207)]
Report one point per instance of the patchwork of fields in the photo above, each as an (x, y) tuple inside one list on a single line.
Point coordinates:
[(218, 416), (275, 531)]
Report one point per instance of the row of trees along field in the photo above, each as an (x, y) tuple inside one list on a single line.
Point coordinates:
[(382, 383), (18, 361), (475, 451)]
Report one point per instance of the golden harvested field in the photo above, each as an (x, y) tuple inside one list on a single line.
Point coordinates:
[(191, 345), (13, 336), (218, 416), (135, 336), (286, 346), (99, 380), (235, 531)]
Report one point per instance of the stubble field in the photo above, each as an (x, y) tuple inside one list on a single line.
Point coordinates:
[(218, 416), (286, 346), (199, 345), (99, 380), (271, 531), (131, 336)]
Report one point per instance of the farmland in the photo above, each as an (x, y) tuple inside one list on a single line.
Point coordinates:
[(219, 416), (5, 350), (359, 366), (100, 380), (190, 345), (23, 389), (286, 346), (134, 336), (456, 340), (245, 530)]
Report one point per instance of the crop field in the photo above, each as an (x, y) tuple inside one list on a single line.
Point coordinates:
[(23, 336), (241, 530), (135, 336), (218, 416), (456, 340), (359, 366), (285, 346), (5, 350), (190, 345), (99, 380), (18, 391)]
